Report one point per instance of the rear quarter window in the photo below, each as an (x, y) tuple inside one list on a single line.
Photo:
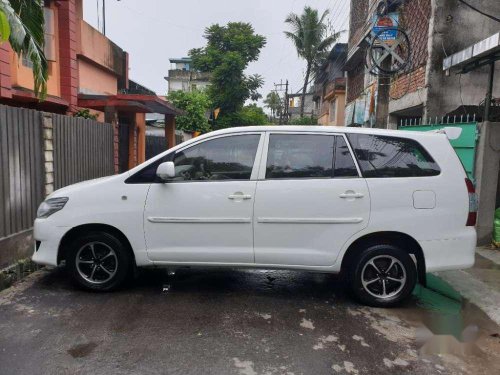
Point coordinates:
[(383, 156)]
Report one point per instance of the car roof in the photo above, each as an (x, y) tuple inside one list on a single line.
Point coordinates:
[(327, 129)]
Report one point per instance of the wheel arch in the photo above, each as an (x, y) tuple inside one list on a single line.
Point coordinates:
[(402, 240), (79, 230)]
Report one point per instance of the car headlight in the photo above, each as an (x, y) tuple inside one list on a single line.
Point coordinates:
[(49, 206)]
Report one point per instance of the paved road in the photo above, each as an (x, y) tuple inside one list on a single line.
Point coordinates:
[(225, 322)]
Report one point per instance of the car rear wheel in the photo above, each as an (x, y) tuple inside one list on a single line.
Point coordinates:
[(98, 261), (383, 276)]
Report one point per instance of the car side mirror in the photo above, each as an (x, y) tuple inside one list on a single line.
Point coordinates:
[(166, 170)]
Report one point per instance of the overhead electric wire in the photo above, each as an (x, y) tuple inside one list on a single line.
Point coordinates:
[(480, 11)]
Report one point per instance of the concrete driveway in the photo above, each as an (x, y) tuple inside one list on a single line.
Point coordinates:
[(232, 322)]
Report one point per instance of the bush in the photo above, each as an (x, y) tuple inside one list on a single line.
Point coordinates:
[(304, 121), (85, 113)]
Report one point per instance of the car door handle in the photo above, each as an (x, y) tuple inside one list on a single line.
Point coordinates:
[(237, 196), (351, 195)]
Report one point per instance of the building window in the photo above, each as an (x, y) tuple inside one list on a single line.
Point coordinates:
[(50, 34), (333, 108)]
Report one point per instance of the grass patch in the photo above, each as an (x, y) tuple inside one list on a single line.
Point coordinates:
[(16, 272)]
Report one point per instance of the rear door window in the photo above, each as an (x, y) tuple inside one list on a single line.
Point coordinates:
[(300, 156), (383, 156)]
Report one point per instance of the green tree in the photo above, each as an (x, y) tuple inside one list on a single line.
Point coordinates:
[(310, 37), (22, 24), (248, 115), (274, 103), (196, 105), (228, 52)]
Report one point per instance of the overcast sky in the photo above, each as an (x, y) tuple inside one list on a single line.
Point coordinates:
[(152, 31)]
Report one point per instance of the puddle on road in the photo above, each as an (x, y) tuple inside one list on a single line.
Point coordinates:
[(446, 323)]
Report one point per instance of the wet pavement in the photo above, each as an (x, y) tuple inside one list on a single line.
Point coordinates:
[(237, 322)]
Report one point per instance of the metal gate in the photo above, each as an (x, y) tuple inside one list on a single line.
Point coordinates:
[(83, 150), (21, 168), (465, 145), (155, 145)]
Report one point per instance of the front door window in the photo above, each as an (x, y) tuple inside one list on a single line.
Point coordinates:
[(226, 158)]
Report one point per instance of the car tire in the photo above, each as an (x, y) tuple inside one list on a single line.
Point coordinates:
[(382, 276), (98, 261)]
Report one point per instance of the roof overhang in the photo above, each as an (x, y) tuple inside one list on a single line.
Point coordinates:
[(50, 102), (474, 56), (136, 103)]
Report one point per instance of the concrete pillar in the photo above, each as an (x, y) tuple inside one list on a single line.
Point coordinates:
[(170, 130), (111, 117), (132, 142), (5, 79), (382, 104), (68, 42), (140, 120), (487, 174), (48, 153)]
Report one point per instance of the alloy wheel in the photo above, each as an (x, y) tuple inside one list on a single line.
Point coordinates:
[(383, 276), (96, 262)]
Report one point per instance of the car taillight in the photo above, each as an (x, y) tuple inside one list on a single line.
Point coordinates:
[(473, 203)]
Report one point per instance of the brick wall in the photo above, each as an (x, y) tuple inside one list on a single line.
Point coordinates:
[(358, 14), (408, 83), (414, 19), (356, 82)]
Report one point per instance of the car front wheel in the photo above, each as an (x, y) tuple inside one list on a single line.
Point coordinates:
[(98, 261), (383, 276)]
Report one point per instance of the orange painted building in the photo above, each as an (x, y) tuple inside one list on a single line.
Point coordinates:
[(86, 70)]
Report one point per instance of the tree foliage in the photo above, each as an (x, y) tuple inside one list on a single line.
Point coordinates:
[(228, 52), (85, 113), (274, 103), (310, 36), (247, 115), (22, 24), (196, 104)]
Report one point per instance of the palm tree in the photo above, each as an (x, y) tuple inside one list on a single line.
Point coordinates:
[(273, 102), (22, 24), (310, 36)]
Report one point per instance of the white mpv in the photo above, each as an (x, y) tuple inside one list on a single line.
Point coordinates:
[(382, 207)]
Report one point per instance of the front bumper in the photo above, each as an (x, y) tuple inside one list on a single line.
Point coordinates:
[(49, 237), (453, 253)]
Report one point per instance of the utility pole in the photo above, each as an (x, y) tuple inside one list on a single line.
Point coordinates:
[(489, 93), (104, 17), (278, 87)]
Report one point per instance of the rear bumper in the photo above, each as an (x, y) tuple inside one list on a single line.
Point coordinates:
[(49, 237), (452, 253)]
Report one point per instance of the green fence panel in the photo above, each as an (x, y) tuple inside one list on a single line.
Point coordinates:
[(465, 145)]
